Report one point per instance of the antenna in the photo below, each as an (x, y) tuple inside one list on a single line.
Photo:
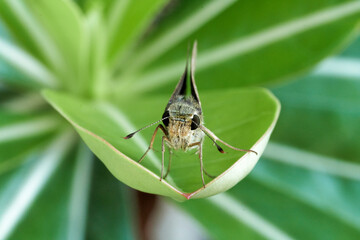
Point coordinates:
[(132, 134)]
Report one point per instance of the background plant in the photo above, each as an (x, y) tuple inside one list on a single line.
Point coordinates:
[(305, 186)]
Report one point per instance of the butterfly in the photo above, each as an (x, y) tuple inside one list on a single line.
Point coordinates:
[(183, 123)]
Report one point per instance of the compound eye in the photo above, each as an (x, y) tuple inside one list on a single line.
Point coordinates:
[(195, 122), (166, 121)]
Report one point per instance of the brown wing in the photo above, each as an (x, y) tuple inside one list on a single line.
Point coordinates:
[(182, 84), (194, 91)]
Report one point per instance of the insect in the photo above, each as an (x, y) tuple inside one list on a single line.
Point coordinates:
[(182, 122)]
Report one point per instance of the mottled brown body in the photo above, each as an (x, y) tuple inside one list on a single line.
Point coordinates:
[(181, 113), (179, 134)]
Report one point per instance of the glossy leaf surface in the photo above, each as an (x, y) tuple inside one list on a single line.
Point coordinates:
[(300, 180), (249, 125)]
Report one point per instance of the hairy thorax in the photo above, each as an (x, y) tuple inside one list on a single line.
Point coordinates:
[(181, 136)]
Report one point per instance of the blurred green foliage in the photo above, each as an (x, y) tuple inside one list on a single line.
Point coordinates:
[(306, 185)]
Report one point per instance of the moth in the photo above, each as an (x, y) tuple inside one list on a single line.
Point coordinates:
[(182, 122)]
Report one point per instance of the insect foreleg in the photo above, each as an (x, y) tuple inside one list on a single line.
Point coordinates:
[(164, 138), (201, 163), (209, 175), (170, 156), (202, 169), (152, 140)]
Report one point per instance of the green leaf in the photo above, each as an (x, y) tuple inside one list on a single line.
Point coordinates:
[(62, 23), (102, 127), (252, 42), (305, 187), (19, 68), (329, 106), (22, 104), (264, 206), (55, 31), (112, 205), (25, 184), (28, 131), (126, 21), (309, 173), (19, 25), (30, 127), (112, 30), (4, 32), (55, 192)]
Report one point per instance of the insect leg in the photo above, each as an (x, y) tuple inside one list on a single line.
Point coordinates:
[(201, 164), (162, 155), (209, 175), (152, 140), (201, 161), (170, 156)]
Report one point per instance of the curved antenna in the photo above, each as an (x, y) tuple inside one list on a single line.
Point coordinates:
[(214, 138), (132, 134), (209, 133)]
